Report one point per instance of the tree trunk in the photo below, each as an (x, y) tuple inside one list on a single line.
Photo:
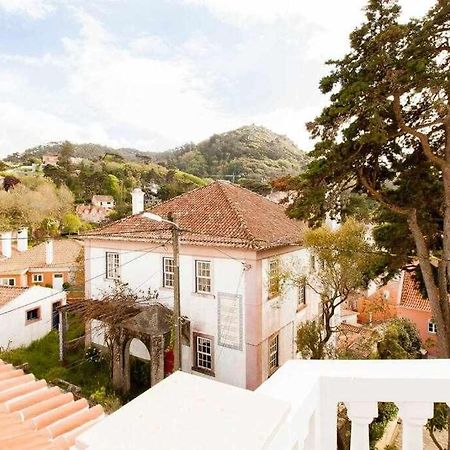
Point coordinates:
[(430, 284)]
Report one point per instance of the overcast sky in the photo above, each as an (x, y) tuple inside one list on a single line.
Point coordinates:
[(153, 74)]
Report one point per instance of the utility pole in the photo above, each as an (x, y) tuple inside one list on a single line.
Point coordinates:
[(176, 291)]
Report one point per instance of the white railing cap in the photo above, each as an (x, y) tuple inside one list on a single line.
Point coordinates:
[(190, 412)]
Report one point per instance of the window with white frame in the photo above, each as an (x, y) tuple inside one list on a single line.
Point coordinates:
[(38, 278), (168, 272), (7, 281), (273, 354), (432, 327), (274, 277), (112, 266), (203, 276), (203, 353), (301, 295)]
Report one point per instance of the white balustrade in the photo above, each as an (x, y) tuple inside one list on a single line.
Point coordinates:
[(295, 409), (414, 416), (361, 415), (414, 386)]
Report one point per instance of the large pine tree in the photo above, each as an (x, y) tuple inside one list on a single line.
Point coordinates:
[(386, 133)]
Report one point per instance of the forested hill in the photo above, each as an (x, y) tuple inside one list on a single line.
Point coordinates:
[(91, 152), (250, 152)]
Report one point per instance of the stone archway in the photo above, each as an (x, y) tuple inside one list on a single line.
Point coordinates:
[(138, 349), (150, 327)]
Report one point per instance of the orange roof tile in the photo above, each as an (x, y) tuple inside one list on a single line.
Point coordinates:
[(8, 293), (220, 213), (36, 416), (411, 296), (65, 254)]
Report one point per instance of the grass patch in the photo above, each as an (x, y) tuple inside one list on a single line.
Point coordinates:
[(43, 359)]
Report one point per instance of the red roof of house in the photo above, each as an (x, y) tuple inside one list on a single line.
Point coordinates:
[(36, 416), (411, 296), (220, 213)]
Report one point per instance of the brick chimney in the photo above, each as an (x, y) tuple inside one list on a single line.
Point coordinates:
[(49, 251), (137, 197), (22, 240), (6, 240)]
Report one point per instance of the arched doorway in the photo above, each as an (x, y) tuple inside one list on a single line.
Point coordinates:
[(137, 367)]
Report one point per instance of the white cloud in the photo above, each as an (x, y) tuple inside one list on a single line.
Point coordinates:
[(145, 92), (327, 12), (109, 94), (36, 9)]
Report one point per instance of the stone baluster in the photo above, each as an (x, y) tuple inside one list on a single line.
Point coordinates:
[(414, 416), (361, 415)]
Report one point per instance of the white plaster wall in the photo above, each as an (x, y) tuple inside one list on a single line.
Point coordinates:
[(143, 271), (282, 310), (13, 329)]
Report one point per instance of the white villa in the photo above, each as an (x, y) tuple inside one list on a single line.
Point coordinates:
[(234, 245)]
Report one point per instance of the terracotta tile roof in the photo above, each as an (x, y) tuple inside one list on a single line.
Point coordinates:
[(220, 213), (411, 296), (36, 416), (8, 293), (65, 254)]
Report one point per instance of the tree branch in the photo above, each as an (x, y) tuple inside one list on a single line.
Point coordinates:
[(379, 197), (423, 138)]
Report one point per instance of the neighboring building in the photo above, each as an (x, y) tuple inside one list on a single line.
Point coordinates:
[(105, 201), (50, 263), (50, 160), (285, 198), (27, 314), (92, 214), (37, 416), (401, 297), (235, 246)]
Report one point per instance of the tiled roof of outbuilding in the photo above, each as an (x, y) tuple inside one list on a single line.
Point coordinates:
[(411, 296), (8, 293), (36, 416), (220, 213)]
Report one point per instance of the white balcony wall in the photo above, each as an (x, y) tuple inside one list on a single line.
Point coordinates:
[(294, 410)]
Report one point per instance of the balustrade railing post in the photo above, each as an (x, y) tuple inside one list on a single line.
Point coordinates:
[(414, 416), (361, 415)]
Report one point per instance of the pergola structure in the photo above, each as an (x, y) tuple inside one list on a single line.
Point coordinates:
[(152, 324)]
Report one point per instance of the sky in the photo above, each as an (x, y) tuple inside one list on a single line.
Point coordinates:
[(155, 74)]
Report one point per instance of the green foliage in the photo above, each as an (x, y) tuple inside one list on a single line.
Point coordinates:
[(42, 356), (395, 79), (401, 340), (117, 177), (71, 223), (309, 336), (109, 401), (346, 262), (386, 412), (246, 154), (37, 203)]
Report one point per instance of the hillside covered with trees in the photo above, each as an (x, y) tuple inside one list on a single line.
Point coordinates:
[(250, 155), (251, 152)]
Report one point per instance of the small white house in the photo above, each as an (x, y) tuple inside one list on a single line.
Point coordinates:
[(105, 201), (27, 314)]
